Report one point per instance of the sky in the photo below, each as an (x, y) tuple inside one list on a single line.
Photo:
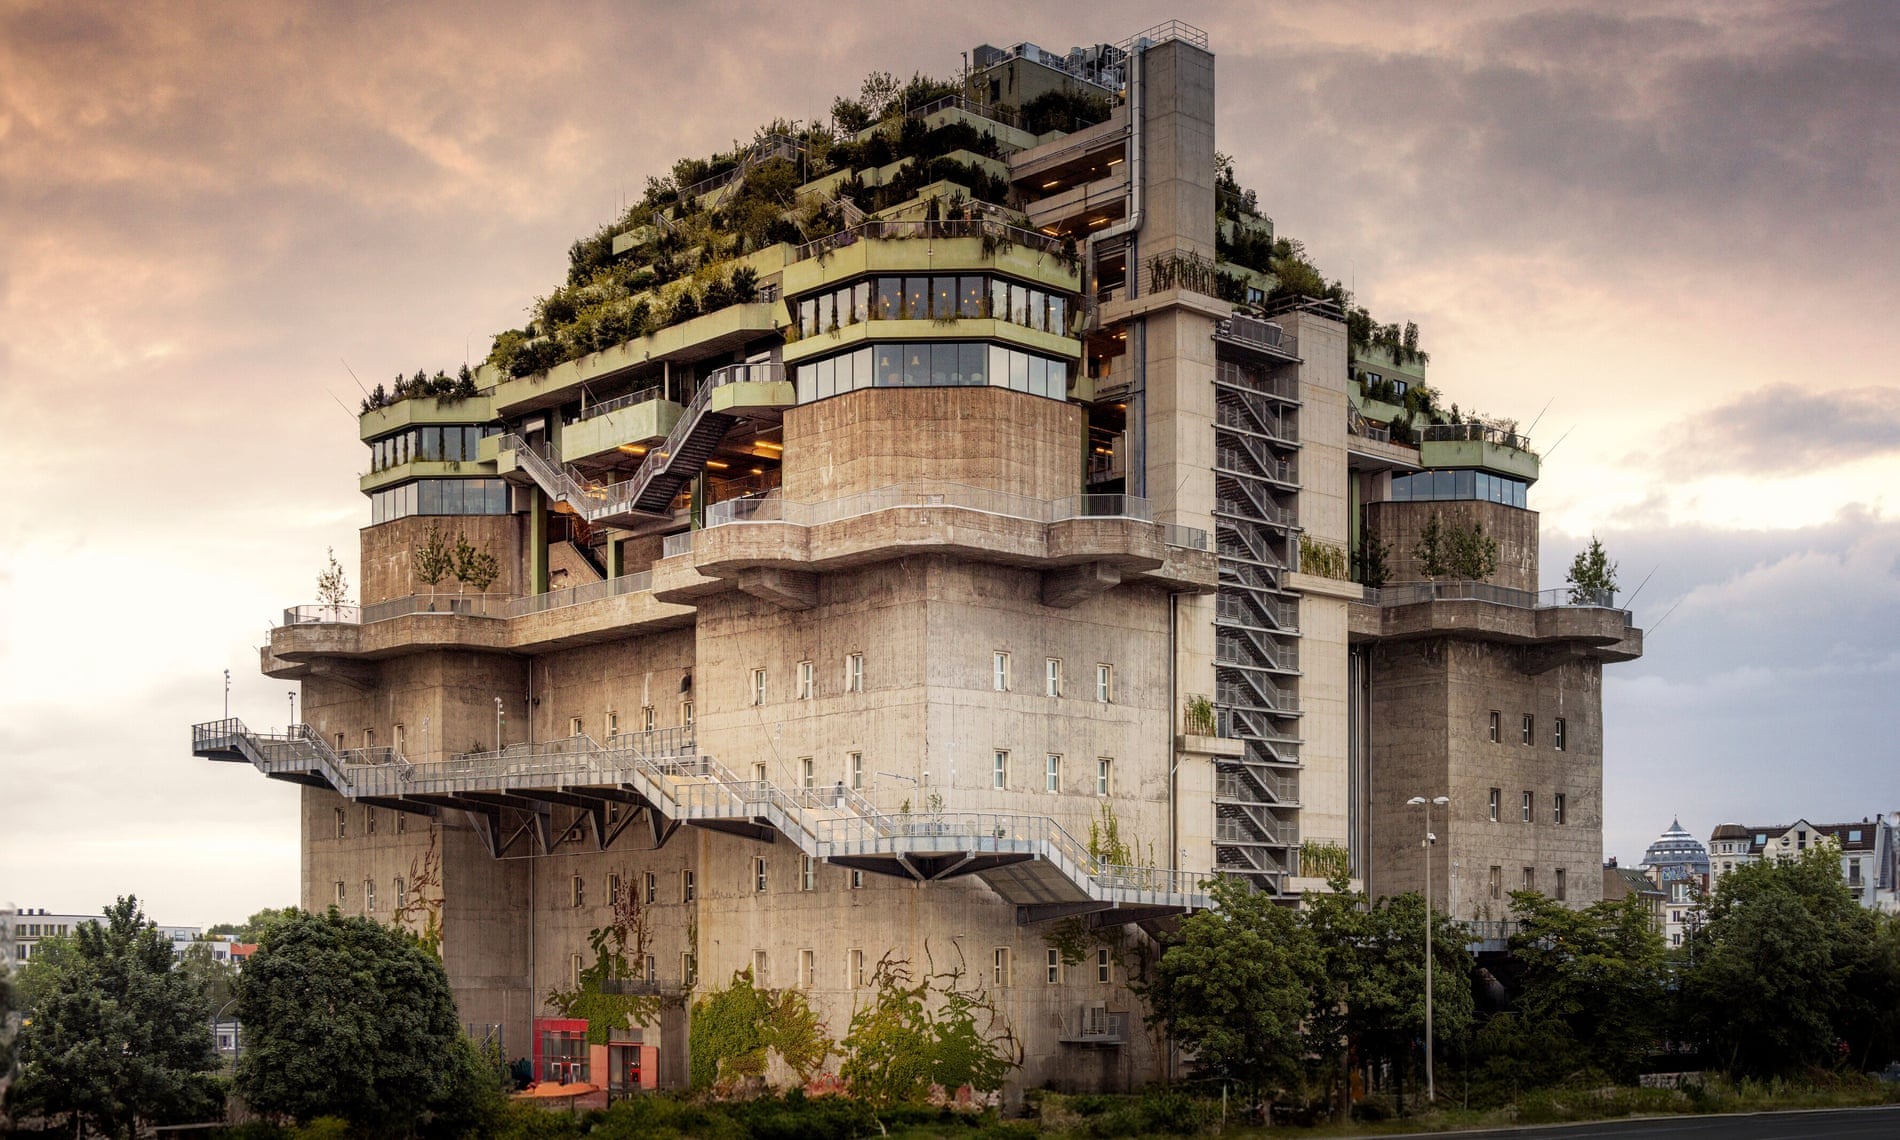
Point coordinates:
[(1662, 234)]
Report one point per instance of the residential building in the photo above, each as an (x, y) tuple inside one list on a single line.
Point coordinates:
[(1622, 882), (1679, 864), (912, 580), (1869, 852), (27, 926)]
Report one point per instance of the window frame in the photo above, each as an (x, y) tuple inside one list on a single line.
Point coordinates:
[(999, 671), (1052, 677), (807, 681), (1104, 683), (999, 769)]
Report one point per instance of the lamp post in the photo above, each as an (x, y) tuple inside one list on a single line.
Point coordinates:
[(227, 694), (498, 724), (292, 697), (1431, 1089)]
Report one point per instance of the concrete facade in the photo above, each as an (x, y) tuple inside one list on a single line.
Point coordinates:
[(900, 669)]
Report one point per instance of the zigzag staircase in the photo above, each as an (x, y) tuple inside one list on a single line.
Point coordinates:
[(1030, 860)]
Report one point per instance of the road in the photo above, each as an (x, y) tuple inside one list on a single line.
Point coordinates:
[(1834, 1124)]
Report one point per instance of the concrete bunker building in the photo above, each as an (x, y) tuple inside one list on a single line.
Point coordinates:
[(852, 588)]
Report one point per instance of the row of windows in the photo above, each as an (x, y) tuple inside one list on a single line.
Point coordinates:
[(1527, 731), (946, 364), (1051, 777), (445, 443), (369, 817), (39, 929), (1527, 807), (399, 892), (1442, 486), (859, 969), (805, 686), (439, 497), (941, 297), (1560, 885)]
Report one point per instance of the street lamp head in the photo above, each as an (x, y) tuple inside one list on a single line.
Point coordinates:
[(1441, 801), (1415, 801)]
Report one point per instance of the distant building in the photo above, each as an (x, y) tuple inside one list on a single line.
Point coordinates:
[(27, 926), (1870, 852), (1621, 882), (1679, 864)]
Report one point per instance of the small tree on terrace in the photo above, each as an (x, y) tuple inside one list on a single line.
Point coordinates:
[(434, 560), (333, 585), (473, 567), (1591, 574)]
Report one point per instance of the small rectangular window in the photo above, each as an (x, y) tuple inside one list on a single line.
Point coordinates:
[(686, 714), (758, 686), (649, 721), (401, 893), (1557, 734), (1104, 770), (807, 772), (758, 873), (854, 768), (1530, 878), (805, 676), (804, 969), (573, 726), (854, 673), (1052, 774), (1524, 812), (1054, 966), (1497, 728), (857, 878), (1559, 886), (613, 889), (369, 821), (1497, 795), (854, 969), (1529, 734), (1104, 967), (687, 886), (1557, 808), (574, 969), (402, 823), (1000, 672), (999, 769), (1052, 677), (342, 824), (369, 896), (1497, 882), (1105, 684), (613, 723), (689, 967), (341, 896), (577, 892), (808, 874), (999, 966), (652, 894)]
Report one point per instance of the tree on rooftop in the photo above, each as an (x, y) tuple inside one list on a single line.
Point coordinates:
[(333, 585), (119, 1038), (434, 560), (1591, 573)]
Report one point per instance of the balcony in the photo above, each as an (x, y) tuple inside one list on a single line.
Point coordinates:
[(931, 247), (704, 337), (422, 410), (639, 418), (1563, 623), (1094, 1025), (1478, 445)]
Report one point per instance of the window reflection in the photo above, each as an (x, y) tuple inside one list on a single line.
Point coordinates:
[(933, 364), (1459, 485), (439, 497)]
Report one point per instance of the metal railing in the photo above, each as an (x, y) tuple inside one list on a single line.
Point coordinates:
[(470, 605), (1476, 433), (1162, 33), (1185, 537), (902, 230), (636, 583), (1256, 333), (605, 406), (1001, 115), (1559, 598)]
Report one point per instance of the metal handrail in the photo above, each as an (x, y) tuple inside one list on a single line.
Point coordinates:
[(1476, 433), (605, 406), (993, 114), (1258, 333), (500, 606), (886, 230), (1561, 597)]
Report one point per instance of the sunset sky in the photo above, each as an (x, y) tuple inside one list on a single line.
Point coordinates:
[(1673, 229)]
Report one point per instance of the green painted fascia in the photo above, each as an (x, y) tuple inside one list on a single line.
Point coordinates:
[(423, 469), (641, 423), (1013, 137), (679, 342), (1484, 456), (1377, 410), (1380, 358), (964, 328), (379, 422), (926, 255), (749, 395)]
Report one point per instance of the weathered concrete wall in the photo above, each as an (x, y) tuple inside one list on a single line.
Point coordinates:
[(1401, 524), (388, 566), (979, 437)]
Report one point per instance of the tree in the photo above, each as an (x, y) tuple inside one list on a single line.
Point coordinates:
[(333, 585), (1460, 552), (344, 1017), (216, 980), (1234, 988), (1590, 992), (1790, 972), (252, 929), (118, 1038), (921, 1032), (1592, 575), (473, 567), (433, 560)]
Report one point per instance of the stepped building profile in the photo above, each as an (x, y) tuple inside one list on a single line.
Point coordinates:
[(932, 539)]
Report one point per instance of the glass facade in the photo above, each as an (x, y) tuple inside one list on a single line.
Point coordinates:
[(447, 443), (1445, 486), (439, 497), (932, 364), (938, 297)]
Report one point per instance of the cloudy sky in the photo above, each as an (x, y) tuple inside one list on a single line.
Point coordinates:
[(1666, 232)]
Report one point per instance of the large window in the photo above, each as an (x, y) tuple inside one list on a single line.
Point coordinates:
[(938, 297), (933, 364), (439, 497), (1451, 486), (450, 443)]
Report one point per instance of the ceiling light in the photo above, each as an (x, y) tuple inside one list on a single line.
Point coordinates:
[(716, 465)]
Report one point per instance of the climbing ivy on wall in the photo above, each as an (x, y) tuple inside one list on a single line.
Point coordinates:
[(596, 998), (419, 909), (735, 1028), (925, 1034)]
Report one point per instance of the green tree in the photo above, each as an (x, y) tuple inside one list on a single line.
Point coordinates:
[(1590, 992), (1460, 552), (1789, 972), (118, 1038), (1235, 986), (344, 1017), (919, 1032), (474, 567), (1591, 574), (252, 929), (216, 980), (333, 585), (434, 560)]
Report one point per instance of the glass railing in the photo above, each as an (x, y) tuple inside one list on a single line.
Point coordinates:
[(469, 605), (1560, 597)]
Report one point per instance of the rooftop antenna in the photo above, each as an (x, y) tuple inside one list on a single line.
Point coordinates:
[(1540, 415), (1631, 600), (1664, 618), (341, 404), (359, 383), (1560, 442)]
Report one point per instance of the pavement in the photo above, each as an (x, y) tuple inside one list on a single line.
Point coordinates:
[(1881, 1123)]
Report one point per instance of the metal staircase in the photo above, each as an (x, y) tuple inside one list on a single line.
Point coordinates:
[(1256, 623), (1030, 860), (664, 471)]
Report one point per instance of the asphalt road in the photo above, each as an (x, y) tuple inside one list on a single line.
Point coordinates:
[(1834, 1124)]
